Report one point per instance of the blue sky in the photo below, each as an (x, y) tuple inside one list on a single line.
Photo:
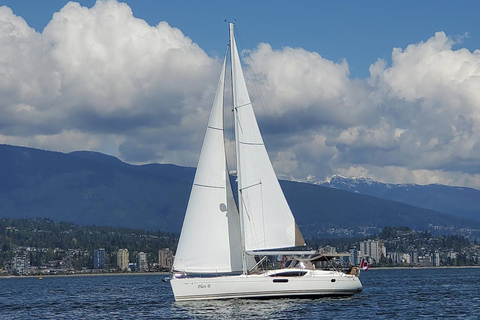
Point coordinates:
[(360, 31), (380, 89)]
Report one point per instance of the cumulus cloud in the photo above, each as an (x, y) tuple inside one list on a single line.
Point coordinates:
[(103, 74), (414, 121), (101, 79)]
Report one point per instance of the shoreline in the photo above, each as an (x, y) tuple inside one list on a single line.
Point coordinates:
[(417, 267), (164, 273), (159, 273)]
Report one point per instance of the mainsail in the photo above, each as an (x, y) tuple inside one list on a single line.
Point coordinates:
[(210, 237), (268, 222)]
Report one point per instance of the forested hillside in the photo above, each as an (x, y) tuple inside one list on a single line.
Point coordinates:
[(90, 188), (52, 240)]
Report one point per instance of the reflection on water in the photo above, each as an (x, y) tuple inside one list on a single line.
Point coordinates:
[(234, 309), (262, 309)]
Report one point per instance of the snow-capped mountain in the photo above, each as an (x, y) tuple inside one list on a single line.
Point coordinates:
[(459, 201)]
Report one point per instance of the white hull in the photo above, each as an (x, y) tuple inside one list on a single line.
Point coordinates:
[(314, 283)]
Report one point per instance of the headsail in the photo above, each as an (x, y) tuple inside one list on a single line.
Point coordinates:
[(268, 222), (210, 237)]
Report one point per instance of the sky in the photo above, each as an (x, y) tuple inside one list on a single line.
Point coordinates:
[(378, 89)]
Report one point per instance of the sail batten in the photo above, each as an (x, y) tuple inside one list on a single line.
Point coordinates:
[(207, 186), (251, 143)]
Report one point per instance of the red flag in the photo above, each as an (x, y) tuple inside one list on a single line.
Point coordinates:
[(364, 265)]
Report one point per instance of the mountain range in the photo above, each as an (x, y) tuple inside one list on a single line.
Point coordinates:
[(91, 188), (458, 201)]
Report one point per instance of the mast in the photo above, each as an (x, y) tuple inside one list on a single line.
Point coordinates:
[(233, 48)]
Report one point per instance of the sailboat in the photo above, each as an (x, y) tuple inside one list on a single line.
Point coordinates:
[(222, 238)]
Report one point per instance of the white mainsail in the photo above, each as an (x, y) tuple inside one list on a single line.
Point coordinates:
[(268, 222), (210, 237)]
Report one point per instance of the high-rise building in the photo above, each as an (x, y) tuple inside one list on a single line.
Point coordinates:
[(354, 256), (20, 265), (99, 258), (142, 261), (436, 258), (122, 259), (373, 249), (414, 257), (165, 258)]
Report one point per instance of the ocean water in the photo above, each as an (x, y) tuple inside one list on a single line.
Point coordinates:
[(447, 293)]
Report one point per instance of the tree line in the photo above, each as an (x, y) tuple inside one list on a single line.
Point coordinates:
[(54, 239)]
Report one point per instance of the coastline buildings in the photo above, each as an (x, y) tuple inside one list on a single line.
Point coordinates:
[(436, 259), (373, 249), (165, 259), (99, 258), (354, 256), (122, 259), (19, 265), (142, 261)]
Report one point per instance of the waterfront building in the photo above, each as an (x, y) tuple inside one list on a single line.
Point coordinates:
[(142, 261), (414, 256), (396, 257), (99, 258), (452, 255), (354, 256), (122, 259), (436, 259), (165, 258), (374, 249), (19, 265), (425, 261)]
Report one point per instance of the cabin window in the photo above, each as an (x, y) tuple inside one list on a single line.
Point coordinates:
[(289, 274)]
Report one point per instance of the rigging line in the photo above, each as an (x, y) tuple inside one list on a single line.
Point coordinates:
[(252, 185), (252, 70), (246, 206), (263, 217), (253, 227), (244, 202), (263, 93), (243, 105)]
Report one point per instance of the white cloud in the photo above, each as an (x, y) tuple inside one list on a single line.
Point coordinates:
[(415, 120), (101, 79), (106, 75), (296, 77)]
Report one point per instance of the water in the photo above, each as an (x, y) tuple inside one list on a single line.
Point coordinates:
[(388, 294)]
